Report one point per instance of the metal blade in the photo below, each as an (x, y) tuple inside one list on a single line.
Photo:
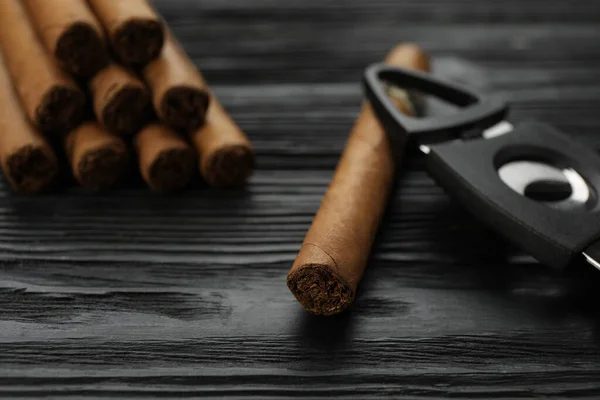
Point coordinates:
[(592, 255), (501, 128)]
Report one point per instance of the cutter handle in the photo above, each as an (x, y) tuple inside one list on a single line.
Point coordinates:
[(478, 111), (469, 172)]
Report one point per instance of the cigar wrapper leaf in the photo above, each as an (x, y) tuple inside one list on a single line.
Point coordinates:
[(50, 97), (180, 95), (99, 159), (71, 33), (166, 161), (122, 103), (328, 269), (134, 29), (28, 162), (227, 158)]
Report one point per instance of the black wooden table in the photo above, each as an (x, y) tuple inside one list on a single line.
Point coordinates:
[(131, 295)]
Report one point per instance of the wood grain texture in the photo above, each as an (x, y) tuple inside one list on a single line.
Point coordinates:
[(128, 294)]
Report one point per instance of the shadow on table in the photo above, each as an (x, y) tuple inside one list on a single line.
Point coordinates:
[(324, 343), (325, 333), (583, 296)]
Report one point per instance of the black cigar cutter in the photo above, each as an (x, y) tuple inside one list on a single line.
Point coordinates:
[(531, 183)]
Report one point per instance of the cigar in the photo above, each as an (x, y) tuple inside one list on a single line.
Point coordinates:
[(134, 29), (226, 156), (71, 32), (180, 95), (122, 103), (98, 159), (334, 255), (28, 162), (51, 99), (166, 160)]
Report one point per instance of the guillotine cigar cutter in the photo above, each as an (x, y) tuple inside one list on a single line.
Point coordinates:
[(531, 183)]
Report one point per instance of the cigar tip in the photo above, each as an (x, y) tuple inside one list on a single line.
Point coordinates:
[(320, 290), (81, 50), (139, 41), (172, 169), (61, 109), (229, 166), (184, 108), (31, 169), (408, 47), (128, 110), (103, 167), (409, 55)]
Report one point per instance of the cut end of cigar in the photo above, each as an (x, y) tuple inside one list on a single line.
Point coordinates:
[(128, 111), (31, 169), (184, 108), (61, 109), (171, 170), (139, 41), (103, 167), (319, 290), (82, 50), (409, 55), (229, 166)]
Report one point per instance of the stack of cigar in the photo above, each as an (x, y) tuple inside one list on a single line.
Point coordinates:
[(90, 79)]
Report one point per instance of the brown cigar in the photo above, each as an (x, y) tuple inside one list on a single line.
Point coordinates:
[(51, 99), (28, 162), (226, 155), (334, 255), (122, 102), (134, 29), (71, 33), (98, 159), (166, 161), (180, 95)]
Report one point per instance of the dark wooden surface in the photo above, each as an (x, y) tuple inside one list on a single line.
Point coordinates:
[(131, 295)]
